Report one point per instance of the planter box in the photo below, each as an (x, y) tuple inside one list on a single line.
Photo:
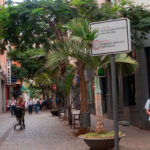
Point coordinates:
[(100, 143)]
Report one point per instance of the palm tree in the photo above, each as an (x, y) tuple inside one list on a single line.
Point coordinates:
[(78, 47), (61, 54), (44, 81), (125, 65)]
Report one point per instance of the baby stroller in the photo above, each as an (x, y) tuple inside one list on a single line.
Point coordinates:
[(19, 113)]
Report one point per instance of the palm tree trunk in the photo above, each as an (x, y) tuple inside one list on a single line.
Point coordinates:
[(43, 95), (83, 88), (53, 26), (98, 106), (65, 108)]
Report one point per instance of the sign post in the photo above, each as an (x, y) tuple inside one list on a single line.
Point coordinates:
[(114, 97), (113, 38)]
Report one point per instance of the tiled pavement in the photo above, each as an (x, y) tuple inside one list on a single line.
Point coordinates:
[(44, 132), (6, 125), (135, 139)]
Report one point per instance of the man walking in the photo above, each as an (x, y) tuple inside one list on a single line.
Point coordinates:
[(35, 102), (30, 106), (12, 106)]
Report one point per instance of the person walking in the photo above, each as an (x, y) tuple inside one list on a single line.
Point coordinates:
[(30, 106), (41, 103), (35, 102), (147, 108), (12, 106), (21, 103)]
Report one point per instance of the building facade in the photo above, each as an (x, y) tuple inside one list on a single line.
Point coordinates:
[(3, 84), (4, 89), (1, 2), (132, 91)]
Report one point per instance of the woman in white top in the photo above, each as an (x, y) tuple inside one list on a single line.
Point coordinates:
[(12, 106)]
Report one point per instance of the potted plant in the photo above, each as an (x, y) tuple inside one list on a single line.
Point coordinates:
[(100, 138), (103, 141), (84, 58)]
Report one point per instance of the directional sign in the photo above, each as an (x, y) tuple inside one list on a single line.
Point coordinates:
[(113, 37)]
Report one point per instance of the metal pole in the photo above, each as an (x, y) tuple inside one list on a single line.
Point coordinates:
[(114, 98)]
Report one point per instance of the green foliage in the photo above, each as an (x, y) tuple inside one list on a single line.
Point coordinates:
[(31, 25), (27, 24), (86, 9), (34, 91), (109, 134), (77, 2), (30, 60), (69, 80), (140, 18), (124, 64), (106, 12), (79, 29), (43, 79), (18, 72), (69, 49)]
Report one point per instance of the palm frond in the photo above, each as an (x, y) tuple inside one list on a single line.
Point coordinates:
[(124, 63), (69, 81), (43, 79), (80, 30), (70, 48)]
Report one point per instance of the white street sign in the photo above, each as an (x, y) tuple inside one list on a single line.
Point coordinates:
[(8, 72), (113, 37)]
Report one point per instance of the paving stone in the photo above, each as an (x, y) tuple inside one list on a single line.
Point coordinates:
[(6, 124), (45, 132)]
